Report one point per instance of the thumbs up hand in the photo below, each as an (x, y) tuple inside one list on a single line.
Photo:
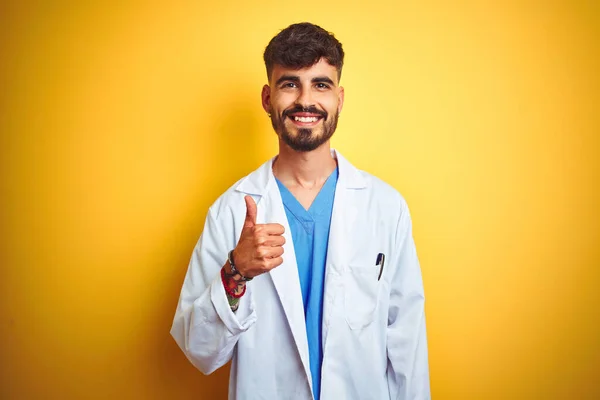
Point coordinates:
[(260, 247)]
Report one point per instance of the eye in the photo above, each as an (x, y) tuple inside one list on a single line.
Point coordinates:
[(289, 85), (322, 85)]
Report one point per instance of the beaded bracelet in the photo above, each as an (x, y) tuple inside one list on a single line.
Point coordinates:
[(230, 292)]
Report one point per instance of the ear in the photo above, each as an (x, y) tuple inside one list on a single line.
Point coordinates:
[(340, 99), (266, 98)]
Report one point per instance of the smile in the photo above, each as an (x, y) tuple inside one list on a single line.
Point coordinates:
[(305, 119)]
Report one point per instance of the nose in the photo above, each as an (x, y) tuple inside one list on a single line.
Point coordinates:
[(304, 98)]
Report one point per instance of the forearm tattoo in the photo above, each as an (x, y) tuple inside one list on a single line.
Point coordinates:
[(234, 288)]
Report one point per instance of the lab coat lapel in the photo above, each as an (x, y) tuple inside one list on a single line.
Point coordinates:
[(285, 277), (346, 207)]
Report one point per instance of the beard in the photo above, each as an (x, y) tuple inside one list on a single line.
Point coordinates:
[(306, 139)]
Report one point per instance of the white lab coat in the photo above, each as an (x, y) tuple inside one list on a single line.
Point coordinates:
[(374, 341)]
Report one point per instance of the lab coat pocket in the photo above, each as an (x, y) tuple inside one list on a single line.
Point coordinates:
[(361, 295)]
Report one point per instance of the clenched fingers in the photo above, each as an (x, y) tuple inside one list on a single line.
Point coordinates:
[(272, 263), (265, 252), (271, 240), (269, 229)]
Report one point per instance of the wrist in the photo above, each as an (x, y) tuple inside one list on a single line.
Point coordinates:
[(232, 283), (232, 266), (227, 268)]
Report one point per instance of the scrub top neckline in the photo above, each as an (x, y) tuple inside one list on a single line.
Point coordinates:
[(318, 206)]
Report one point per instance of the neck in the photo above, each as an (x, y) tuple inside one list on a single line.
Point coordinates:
[(305, 169)]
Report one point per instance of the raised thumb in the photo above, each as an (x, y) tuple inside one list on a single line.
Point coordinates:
[(250, 220)]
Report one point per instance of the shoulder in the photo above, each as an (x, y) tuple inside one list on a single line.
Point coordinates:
[(231, 202), (226, 204), (384, 195)]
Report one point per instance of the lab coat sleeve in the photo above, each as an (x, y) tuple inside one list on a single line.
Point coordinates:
[(204, 326), (408, 366)]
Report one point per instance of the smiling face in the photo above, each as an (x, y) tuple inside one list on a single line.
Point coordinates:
[(304, 104)]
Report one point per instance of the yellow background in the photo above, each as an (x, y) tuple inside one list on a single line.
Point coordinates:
[(120, 124)]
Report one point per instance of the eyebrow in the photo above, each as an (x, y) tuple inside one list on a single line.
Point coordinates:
[(284, 78), (322, 79), (294, 78)]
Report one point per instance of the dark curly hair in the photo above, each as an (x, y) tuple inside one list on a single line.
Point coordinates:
[(302, 45)]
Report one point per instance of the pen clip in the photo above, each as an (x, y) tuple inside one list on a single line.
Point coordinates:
[(381, 262)]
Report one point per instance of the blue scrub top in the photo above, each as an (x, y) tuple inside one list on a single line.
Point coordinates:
[(310, 234)]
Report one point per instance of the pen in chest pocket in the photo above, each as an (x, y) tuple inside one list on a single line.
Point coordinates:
[(381, 262)]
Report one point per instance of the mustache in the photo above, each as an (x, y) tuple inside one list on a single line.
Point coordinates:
[(311, 109)]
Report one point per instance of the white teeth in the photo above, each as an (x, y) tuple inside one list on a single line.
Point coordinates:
[(306, 119)]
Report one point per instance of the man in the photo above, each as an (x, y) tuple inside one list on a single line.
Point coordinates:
[(306, 274)]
